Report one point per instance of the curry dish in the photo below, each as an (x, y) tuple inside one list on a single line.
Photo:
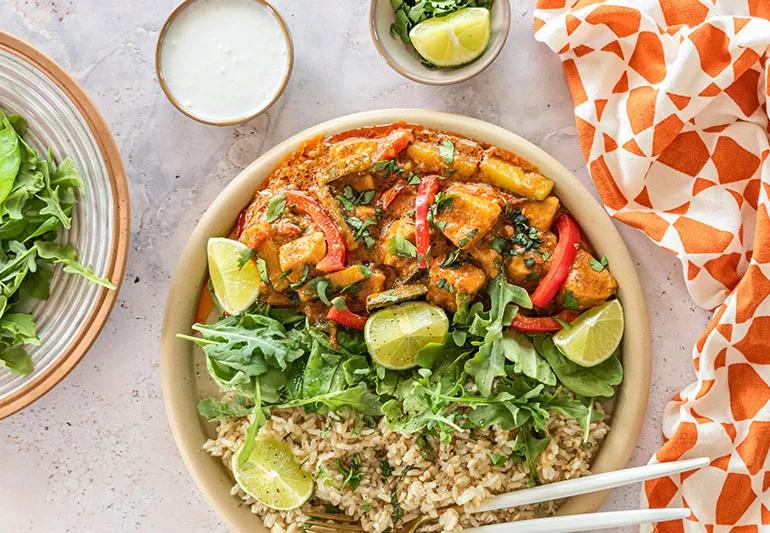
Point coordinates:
[(353, 215), (408, 323)]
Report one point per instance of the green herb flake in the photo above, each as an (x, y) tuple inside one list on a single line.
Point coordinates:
[(497, 459), (398, 245), (569, 301), (386, 167), (361, 230), (451, 259), (245, 257), (275, 207), (302, 278), (351, 472), (447, 151), (599, 265), (498, 245), (322, 288), (413, 179)]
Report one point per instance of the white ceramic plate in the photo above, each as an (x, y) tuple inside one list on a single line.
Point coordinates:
[(61, 117)]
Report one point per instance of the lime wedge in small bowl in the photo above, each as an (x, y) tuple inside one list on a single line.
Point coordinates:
[(233, 274), (272, 476), (454, 39), (395, 334), (594, 335)]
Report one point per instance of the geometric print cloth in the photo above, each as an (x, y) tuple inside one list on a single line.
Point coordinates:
[(671, 111)]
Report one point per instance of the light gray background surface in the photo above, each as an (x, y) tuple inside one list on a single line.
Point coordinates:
[(96, 453)]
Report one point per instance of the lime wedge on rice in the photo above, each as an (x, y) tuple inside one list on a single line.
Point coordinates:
[(234, 276), (395, 334), (594, 335), (272, 476), (455, 39)]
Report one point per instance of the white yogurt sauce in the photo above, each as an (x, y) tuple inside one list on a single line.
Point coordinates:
[(224, 60)]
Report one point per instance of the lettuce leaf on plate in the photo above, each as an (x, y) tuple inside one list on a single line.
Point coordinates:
[(37, 198)]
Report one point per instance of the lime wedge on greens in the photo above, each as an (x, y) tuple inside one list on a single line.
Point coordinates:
[(455, 39), (395, 334), (594, 335), (234, 275), (272, 476)]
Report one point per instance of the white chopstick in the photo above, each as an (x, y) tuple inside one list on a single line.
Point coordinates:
[(585, 522), (584, 485)]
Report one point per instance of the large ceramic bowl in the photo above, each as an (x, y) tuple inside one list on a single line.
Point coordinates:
[(61, 117), (184, 377)]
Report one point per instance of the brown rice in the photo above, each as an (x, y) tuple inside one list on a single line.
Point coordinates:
[(458, 473)]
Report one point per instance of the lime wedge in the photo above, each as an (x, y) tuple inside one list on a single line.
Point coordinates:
[(395, 334), (594, 335), (272, 476), (234, 276), (455, 39)]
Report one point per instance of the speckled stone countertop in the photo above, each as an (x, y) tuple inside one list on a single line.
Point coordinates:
[(96, 453)]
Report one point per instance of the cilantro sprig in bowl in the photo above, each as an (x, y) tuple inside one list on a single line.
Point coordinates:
[(439, 42)]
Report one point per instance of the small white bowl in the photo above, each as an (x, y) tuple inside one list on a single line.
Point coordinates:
[(404, 60)]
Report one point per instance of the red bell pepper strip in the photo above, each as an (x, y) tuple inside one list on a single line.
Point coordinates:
[(390, 195), (238, 230), (335, 242), (343, 316), (562, 259), (393, 144), (426, 195), (542, 324)]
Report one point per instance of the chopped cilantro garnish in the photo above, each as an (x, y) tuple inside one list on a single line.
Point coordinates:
[(599, 265), (302, 278), (322, 287), (569, 301), (451, 259), (398, 245), (275, 207), (447, 151), (361, 231), (387, 167)]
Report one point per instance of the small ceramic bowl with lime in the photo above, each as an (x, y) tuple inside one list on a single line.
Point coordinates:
[(439, 42)]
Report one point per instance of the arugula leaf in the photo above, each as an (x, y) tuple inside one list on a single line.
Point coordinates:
[(518, 349), (215, 410), (596, 381), (357, 398), (67, 256), (529, 447), (16, 360), (489, 361), (10, 156)]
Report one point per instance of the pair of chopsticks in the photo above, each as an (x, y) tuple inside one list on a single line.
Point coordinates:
[(585, 485)]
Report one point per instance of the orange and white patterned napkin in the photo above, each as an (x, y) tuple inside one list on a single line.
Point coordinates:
[(671, 111)]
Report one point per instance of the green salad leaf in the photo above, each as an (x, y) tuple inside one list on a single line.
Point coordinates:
[(37, 198), (481, 375), (596, 381), (409, 13), (10, 157)]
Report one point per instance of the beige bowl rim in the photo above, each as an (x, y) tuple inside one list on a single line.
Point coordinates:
[(177, 357)]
